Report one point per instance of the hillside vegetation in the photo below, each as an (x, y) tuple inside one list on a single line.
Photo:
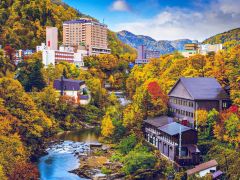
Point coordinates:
[(23, 23), (228, 38)]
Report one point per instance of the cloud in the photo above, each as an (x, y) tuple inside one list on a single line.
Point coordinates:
[(178, 23), (230, 6), (120, 5)]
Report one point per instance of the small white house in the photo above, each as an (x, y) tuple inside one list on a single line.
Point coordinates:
[(203, 169), (75, 89)]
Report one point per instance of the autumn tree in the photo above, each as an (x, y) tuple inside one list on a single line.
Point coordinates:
[(107, 127), (201, 118), (227, 128), (24, 170), (5, 65), (133, 117), (10, 54), (32, 124), (157, 105), (2, 174), (12, 151)]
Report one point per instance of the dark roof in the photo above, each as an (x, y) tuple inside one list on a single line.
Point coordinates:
[(217, 174), (84, 97), (203, 88), (173, 128), (81, 21), (77, 21), (159, 121), (68, 84), (202, 167)]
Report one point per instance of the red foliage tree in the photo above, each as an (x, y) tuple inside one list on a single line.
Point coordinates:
[(10, 53), (156, 92), (233, 109)]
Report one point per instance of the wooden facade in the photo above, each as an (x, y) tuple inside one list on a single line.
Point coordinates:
[(166, 138), (191, 94)]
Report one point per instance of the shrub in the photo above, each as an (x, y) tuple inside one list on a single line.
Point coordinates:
[(138, 160), (127, 144), (105, 170)]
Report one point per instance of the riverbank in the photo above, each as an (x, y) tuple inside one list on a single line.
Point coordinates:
[(97, 164), (65, 147)]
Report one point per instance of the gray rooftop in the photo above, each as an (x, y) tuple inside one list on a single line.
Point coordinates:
[(68, 84), (203, 88), (173, 128), (83, 21), (159, 121)]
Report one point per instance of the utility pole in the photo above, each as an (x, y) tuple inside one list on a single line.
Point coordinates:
[(180, 141), (196, 117)]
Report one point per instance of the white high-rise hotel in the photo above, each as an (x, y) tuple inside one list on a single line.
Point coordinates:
[(52, 38)]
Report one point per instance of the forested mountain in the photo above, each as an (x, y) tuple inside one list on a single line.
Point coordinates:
[(23, 22), (163, 46), (229, 37)]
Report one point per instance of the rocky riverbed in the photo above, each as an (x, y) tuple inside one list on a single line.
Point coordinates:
[(76, 156), (98, 158)]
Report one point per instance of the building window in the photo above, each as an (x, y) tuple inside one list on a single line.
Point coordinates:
[(191, 115), (224, 105)]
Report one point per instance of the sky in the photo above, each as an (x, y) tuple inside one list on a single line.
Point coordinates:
[(164, 19)]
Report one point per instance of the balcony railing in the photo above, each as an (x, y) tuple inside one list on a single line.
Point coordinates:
[(184, 160)]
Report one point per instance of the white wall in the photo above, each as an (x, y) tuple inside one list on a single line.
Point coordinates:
[(203, 173), (78, 57), (52, 38), (41, 48), (48, 57)]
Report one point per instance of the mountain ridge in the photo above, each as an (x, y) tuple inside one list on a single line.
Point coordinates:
[(225, 37), (164, 46)]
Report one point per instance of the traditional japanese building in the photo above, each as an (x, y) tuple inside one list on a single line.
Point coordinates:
[(173, 140), (191, 94)]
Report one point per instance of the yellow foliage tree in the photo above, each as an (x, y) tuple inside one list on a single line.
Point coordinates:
[(201, 115), (2, 174), (107, 127)]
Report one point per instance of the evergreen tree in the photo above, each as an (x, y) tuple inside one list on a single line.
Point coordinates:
[(64, 73), (36, 79)]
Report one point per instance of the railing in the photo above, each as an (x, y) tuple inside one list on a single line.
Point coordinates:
[(184, 160), (151, 131)]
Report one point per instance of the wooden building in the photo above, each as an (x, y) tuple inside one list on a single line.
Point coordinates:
[(191, 94), (170, 138)]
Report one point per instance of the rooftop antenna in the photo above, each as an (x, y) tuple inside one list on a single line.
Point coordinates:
[(103, 20), (180, 141)]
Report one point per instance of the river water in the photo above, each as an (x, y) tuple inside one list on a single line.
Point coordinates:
[(62, 156)]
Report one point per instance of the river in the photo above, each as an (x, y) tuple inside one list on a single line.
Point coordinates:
[(62, 156)]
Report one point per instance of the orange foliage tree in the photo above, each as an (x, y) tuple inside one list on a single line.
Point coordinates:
[(24, 170)]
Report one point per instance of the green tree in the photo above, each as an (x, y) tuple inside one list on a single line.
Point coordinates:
[(127, 144), (30, 74), (137, 160), (36, 79)]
